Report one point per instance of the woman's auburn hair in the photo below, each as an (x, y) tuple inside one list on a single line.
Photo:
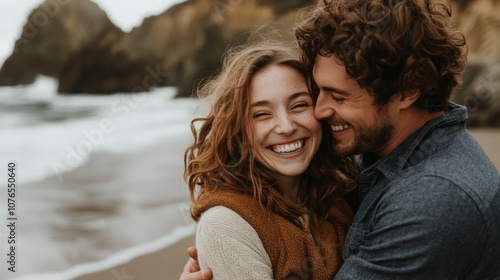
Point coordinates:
[(220, 159), (388, 46)]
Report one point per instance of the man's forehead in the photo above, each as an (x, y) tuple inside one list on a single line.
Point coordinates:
[(328, 66), (330, 74)]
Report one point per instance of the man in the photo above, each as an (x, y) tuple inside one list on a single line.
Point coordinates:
[(430, 197)]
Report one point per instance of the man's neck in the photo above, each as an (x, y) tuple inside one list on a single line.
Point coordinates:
[(408, 122)]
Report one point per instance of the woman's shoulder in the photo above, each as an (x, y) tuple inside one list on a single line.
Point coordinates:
[(221, 215), (225, 240), (221, 222), (239, 203)]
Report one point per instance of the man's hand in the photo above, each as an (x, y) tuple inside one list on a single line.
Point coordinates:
[(192, 268)]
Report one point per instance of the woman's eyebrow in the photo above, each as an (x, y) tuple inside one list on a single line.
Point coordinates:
[(299, 94), (293, 96)]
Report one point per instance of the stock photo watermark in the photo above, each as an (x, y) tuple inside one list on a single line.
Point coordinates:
[(185, 212), (94, 137), (484, 92), (223, 6), (39, 20), (11, 220), (121, 275)]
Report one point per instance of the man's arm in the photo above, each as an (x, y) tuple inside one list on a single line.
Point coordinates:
[(192, 268), (429, 230)]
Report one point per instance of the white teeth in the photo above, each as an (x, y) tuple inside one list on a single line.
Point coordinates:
[(340, 127), (288, 148)]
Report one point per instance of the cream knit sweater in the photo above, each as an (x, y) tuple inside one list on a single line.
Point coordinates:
[(231, 247), (234, 244)]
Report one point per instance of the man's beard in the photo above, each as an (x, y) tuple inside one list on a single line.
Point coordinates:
[(369, 139)]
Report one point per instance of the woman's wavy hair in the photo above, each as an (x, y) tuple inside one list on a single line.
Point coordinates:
[(388, 46), (221, 158)]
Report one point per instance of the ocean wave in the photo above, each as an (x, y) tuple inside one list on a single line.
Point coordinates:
[(76, 126), (118, 258)]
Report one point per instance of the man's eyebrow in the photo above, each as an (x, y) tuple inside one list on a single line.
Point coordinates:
[(293, 96), (336, 90)]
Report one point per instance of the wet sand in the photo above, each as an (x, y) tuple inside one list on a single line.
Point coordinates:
[(165, 264)]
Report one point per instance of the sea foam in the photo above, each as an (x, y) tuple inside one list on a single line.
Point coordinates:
[(44, 132), (118, 258)]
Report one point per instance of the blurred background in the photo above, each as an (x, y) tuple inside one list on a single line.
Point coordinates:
[(95, 103)]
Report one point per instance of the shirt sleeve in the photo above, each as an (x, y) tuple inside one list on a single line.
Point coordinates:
[(231, 247), (429, 230)]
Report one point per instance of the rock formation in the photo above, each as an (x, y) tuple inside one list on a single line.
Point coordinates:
[(480, 22), (54, 32), (480, 91), (74, 41), (179, 47)]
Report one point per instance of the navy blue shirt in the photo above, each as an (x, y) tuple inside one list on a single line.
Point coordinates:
[(429, 210)]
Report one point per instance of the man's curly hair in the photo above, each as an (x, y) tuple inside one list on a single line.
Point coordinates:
[(388, 46)]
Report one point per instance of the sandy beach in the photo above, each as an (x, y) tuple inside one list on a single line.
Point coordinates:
[(489, 139), (133, 201), (167, 263)]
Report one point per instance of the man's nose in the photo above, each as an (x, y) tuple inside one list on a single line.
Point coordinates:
[(324, 107)]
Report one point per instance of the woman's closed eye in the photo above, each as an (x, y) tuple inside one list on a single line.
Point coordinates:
[(260, 114), (301, 105)]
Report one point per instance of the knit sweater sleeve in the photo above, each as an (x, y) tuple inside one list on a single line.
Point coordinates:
[(230, 246)]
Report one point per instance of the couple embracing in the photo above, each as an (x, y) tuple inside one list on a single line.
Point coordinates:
[(275, 187)]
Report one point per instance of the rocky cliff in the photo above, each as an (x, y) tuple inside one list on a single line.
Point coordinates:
[(87, 53), (53, 34), (479, 20), (75, 42)]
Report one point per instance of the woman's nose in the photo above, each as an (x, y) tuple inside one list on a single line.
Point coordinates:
[(285, 124)]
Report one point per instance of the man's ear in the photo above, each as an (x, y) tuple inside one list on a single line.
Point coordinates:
[(407, 98)]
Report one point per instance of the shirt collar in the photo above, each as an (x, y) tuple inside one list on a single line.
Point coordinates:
[(392, 164)]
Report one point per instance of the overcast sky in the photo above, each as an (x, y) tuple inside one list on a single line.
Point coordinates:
[(126, 14)]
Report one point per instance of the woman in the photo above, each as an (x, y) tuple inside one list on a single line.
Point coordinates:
[(266, 188)]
